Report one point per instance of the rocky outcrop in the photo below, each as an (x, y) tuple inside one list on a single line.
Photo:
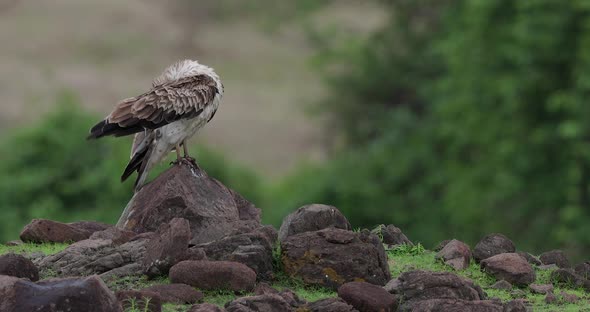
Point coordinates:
[(455, 254), (491, 245), (97, 256), (42, 230), (168, 247), (183, 191), (71, 294), (367, 297), (312, 217), (510, 267), (332, 257), (254, 249), (214, 275), (18, 266)]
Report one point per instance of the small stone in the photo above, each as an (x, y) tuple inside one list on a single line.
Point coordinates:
[(42, 230), (583, 269), (502, 284), (269, 302), (18, 266), (205, 307), (567, 277), (441, 245), (392, 235), (367, 297), (329, 305), (17, 242), (491, 245), (556, 257), (541, 288), (518, 293), (530, 258), (517, 305)]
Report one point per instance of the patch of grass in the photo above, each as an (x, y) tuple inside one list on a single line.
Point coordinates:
[(221, 297), (27, 248), (136, 282), (307, 292)]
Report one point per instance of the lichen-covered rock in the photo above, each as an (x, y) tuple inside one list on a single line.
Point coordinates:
[(367, 297), (455, 254), (510, 267), (491, 245), (42, 230), (168, 247), (18, 266), (214, 275), (254, 249), (312, 217), (416, 286), (332, 257), (183, 191), (88, 294)]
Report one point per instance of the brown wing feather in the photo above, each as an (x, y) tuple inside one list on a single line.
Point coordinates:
[(165, 103)]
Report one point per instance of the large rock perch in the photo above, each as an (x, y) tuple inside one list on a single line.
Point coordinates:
[(183, 191), (332, 257)]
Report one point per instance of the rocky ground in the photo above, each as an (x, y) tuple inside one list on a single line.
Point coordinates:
[(195, 245)]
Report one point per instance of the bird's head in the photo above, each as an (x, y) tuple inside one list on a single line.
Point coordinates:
[(183, 69)]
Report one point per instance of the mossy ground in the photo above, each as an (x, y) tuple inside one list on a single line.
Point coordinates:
[(401, 259)]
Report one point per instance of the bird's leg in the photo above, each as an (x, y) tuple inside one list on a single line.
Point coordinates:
[(178, 158), (187, 157)]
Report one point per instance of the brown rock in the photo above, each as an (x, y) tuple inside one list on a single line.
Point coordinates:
[(332, 257), (254, 249), (214, 275), (205, 307), (455, 254), (183, 191), (541, 288), (168, 247), (17, 242), (262, 303), (415, 286), (18, 266), (42, 230), (88, 294), (510, 267), (176, 293), (441, 245), (367, 297), (329, 305), (312, 217), (456, 305), (139, 300), (491, 245), (518, 305), (556, 257), (392, 235), (288, 295)]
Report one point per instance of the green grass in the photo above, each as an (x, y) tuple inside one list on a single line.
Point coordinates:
[(401, 259), (27, 248)]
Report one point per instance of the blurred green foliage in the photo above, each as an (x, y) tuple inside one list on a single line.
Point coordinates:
[(460, 118), (51, 171)]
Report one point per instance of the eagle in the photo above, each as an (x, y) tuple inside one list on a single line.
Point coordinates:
[(183, 99)]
